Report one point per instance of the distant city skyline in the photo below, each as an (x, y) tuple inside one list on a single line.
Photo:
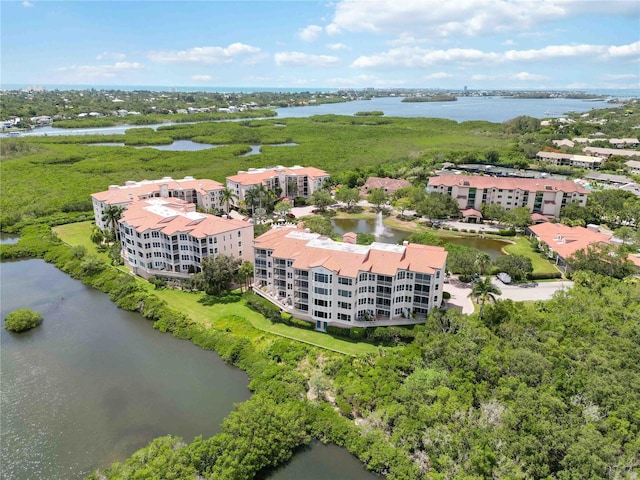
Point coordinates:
[(480, 44)]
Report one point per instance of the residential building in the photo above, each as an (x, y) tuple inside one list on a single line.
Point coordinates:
[(571, 160), (609, 152), (539, 195), (634, 166), (343, 284), (561, 241), (289, 182), (167, 237), (205, 193), (388, 185)]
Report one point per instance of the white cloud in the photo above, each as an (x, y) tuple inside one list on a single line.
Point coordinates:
[(418, 57), (201, 78), (437, 76), (80, 72), (27, 4), (436, 18), (632, 49), (111, 56), (204, 55), (337, 46), (526, 76), (309, 33), (509, 43), (300, 59)]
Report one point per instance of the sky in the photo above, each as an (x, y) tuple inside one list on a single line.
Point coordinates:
[(445, 44)]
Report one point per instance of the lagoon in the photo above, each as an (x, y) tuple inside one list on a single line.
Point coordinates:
[(491, 109)]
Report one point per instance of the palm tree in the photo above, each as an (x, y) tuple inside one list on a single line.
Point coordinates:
[(251, 198), (292, 188), (111, 215), (261, 192), (483, 260), (482, 290), (227, 195)]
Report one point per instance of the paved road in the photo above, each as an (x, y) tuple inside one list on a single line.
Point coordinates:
[(544, 291)]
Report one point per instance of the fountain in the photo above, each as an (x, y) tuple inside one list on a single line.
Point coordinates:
[(380, 229)]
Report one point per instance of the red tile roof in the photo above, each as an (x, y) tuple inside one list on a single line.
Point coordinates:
[(257, 176), (172, 216), (566, 241), (313, 250), (506, 183), (119, 194)]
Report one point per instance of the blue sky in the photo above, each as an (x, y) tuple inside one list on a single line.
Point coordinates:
[(483, 44)]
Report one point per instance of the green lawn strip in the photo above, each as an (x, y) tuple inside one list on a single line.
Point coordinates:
[(522, 247), (187, 303)]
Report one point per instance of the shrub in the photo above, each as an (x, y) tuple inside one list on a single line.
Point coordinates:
[(446, 295), (22, 319), (544, 275)]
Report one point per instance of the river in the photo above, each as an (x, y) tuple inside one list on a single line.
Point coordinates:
[(93, 383)]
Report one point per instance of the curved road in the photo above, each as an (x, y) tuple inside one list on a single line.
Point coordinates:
[(544, 291)]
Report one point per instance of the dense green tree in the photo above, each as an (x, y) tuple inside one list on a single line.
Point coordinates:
[(22, 319), (319, 224), (518, 218), (321, 199), (494, 211), (218, 274), (517, 266), (377, 198), (603, 259), (348, 196), (438, 205), (365, 238)]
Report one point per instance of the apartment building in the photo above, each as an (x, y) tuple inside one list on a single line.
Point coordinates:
[(539, 195), (167, 237), (289, 182), (571, 160), (343, 284), (205, 193)]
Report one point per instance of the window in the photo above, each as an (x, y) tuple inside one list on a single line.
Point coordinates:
[(322, 291), (344, 293), (155, 234), (321, 314), (344, 305), (345, 281), (183, 236), (321, 303), (401, 275), (322, 277)]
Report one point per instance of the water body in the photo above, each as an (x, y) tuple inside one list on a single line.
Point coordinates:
[(176, 146), (323, 462), (8, 238), (94, 383), (391, 235), (492, 109), (256, 149)]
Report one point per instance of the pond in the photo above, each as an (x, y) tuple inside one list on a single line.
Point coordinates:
[(255, 149), (386, 234)]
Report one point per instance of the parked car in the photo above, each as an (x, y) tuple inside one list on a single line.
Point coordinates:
[(504, 278)]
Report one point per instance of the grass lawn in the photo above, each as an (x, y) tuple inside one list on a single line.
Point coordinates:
[(221, 315), (521, 246)]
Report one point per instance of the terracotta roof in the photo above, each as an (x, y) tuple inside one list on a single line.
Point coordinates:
[(172, 216), (313, 250), (387, 184), (119, 194), (506, 183), (259, 175), (471, 212), (566, 241)]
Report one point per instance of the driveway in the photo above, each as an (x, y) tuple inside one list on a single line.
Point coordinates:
[(544, 291)]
